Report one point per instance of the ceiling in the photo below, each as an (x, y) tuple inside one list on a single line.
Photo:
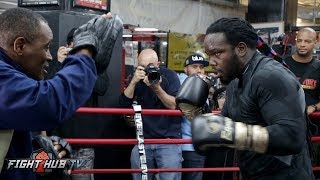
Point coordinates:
[(309, 2), (305, 8), (4, 4), (308, 12)]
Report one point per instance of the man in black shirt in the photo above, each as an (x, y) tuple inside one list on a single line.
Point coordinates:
[(264, 113), (306, 68)]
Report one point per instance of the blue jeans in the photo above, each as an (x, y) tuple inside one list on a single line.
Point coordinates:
[(191, 159), (158, 156)]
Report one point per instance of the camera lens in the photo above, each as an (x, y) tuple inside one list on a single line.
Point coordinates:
[(152, 73), (154, 77)]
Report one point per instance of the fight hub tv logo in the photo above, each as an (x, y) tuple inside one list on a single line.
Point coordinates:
[(43, 162)]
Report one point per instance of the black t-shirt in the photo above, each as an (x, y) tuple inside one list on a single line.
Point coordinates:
[(155, 126), (310, 84)]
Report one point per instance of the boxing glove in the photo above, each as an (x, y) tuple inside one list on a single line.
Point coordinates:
[(44, 143), (47, 144), (87, 36), (192, 96), (111, 33), (63, 143), (99, 35), (212, 130)]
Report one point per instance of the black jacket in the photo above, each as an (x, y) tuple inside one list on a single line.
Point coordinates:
[(268, 94)]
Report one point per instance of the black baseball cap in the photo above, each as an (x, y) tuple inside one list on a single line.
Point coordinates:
[(196, 59)]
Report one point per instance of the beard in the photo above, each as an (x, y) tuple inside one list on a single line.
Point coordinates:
[(234, 70), (307, 54)]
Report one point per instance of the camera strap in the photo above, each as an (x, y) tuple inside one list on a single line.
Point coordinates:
[(139, 134)]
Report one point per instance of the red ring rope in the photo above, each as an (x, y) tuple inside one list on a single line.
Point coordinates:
[(134, 141), (114, 171), (146, 111), (130, 111), (149, 141), (99, 171)]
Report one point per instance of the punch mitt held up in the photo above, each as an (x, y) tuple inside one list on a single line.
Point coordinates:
[(99, 35)]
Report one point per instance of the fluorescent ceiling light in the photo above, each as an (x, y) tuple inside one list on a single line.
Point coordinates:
[(146, 29)]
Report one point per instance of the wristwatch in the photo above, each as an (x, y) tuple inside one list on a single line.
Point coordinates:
[(315, 107)]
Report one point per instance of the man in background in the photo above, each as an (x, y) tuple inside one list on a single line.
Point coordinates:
[(85, 125), (63, 51), (159, 94), (307, 70), (194, 64), (306, 67)]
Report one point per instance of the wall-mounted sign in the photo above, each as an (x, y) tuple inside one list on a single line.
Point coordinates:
[(269, 31), (38, 2), (180, 46), (92, 4)]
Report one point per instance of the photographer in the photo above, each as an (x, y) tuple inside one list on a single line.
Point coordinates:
[(155, 87)]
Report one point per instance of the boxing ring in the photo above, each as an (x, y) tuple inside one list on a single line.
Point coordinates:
[(128, 111)]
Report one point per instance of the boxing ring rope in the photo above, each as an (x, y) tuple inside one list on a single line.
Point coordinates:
[(100, 171), (134, 141), (129, 111), (146, 111)]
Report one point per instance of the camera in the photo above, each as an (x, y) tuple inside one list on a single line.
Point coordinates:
[(153, 73), (215, 83)]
